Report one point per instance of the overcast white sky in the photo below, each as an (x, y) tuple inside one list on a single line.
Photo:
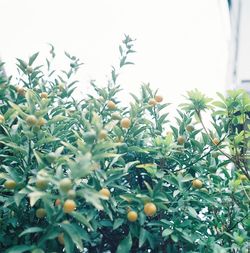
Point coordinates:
[(180, 44)]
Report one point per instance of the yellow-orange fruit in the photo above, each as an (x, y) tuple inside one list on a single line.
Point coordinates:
[(31, 120), (60, 238), (150, 209), (158, 98), (181, 140), (103, 134), (197, 183), (152, 102), (242, 177), (57, 202), (20, 91), (132, 216), (69, 206), (44, 95), (111, 105), (105, 192), (215, 141), (1, 119), (41, 122), (40, 213), (10, 184), (125, 123)]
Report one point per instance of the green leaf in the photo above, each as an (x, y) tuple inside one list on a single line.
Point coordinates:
[(73, 233), (166, 232), (18, 249), (117, 223), (81, 218), (125, 245), (33, 58), (31, 230), (192, 212), (142, 237)]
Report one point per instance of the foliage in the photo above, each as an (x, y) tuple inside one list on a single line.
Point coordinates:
[(184, 190)]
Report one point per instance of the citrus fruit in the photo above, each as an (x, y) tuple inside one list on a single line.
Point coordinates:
[(65, 184), (44, 95), (31, 120), (215, 141), (132, 216), (69, 206), (152, 102), (111, 105), (105, 192), (60, 238), (158, 98), (10, 184), (197, 184), (1, 119), (190, 128), (150, 209), (40, 213), (125, 123), (181, 140)]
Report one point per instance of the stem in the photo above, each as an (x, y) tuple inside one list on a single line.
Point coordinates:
[(236, 163)]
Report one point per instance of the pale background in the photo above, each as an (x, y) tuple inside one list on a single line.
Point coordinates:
[(180, 44)]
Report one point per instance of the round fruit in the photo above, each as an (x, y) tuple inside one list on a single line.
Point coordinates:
[(215, 141), (158, 98), (125, 123), (89, 137), (111, 105), (215, 154), (2, 119), (60, 238), (71, 194), (57, 202), (132, 216), (103, 134), (69, 206), (152, 102), (116, 116), (150, 209), (65, 184), (243, 177), (44, 95), (40, 213), (51, 157), (42, 183), (61, 86), (10, 184), (197, 184), (29, 69), (31, 120), (20, 91), (190, 128), (41, 122), (181, 140), (105, 192)]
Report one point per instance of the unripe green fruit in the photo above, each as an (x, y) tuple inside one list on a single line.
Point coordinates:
[(51, 157), (89, 137), (42, 183), (190, 128), (65, 185)]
